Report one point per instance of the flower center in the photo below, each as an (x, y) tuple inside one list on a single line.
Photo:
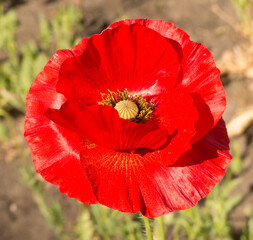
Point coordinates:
[(130, 106), (127, 109)]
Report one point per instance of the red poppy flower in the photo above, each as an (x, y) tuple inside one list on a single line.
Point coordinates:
[(130, 118)]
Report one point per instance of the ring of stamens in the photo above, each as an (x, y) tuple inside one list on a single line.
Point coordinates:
[(130, 106)]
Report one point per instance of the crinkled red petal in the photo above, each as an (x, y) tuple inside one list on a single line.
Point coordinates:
[(102, 125), (126, 57), (55, 150), (177, 113), (199, 72), (133, 182)]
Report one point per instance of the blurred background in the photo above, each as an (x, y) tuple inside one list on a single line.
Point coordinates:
[(32, 30)]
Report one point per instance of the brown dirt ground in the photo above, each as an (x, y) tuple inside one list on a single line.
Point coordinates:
[(211, 22)]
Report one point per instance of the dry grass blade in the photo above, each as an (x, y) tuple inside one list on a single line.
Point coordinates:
[(240, 123)]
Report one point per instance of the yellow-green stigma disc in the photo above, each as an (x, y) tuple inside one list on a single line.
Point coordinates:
[(127, 109)]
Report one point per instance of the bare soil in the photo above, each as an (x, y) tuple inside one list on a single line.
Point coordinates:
[(211, 22)]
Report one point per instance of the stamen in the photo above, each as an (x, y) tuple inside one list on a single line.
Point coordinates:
[(130, 106)]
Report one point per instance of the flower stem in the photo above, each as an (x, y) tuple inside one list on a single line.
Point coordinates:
[(161, 224), (148, 228)]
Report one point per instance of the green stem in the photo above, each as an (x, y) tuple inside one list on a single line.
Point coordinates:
[(161, 223), (148, 228)]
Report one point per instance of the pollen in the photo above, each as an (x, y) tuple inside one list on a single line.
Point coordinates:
[(130, 105), (127, 109)]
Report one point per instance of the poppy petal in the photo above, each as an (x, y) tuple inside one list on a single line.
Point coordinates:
[(127, 57), (103, 126), (60, 146), (177, 113), (131, 182)]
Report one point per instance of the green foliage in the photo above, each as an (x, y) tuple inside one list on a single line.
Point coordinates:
[(46, 37), (3, 132), (8, 28), (66, 25), (51, 212), (17, 74), (84, 229), (236, 164), (243, 8), (109, 224), (248, 231), (63, 31)]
